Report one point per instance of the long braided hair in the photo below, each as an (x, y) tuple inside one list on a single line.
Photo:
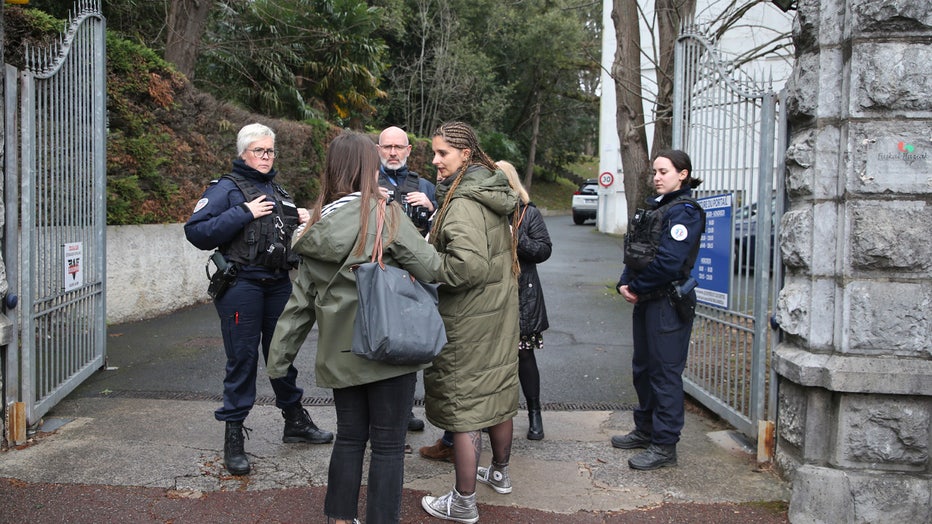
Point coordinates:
[(460, 135)]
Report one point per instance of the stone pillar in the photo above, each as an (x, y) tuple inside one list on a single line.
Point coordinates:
[(855, 368)]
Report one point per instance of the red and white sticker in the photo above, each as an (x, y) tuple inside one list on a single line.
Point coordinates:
[(200, 205)]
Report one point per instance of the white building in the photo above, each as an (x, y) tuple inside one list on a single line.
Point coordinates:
[(763, 23)]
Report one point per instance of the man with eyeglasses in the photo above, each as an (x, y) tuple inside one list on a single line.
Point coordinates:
[(250, 220), (412, 191)]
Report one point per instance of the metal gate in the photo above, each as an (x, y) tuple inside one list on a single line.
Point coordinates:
[(56, 260), (729, 124)]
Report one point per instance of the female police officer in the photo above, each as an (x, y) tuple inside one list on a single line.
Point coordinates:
[(250, 219), (660, 249)]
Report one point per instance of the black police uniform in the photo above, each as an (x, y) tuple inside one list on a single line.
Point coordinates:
[(249, 310), (661, 336)]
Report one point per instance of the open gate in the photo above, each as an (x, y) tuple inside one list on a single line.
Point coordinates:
[(731, 125), (55, 245)]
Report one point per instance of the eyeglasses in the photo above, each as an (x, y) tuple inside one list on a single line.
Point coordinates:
[(260, 153), (394, 148)]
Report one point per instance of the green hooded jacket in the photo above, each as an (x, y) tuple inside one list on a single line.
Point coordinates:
[(325, 292), (473, 383)]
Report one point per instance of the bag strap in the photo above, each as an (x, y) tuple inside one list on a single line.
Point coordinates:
[(521, 218), (379, 222)]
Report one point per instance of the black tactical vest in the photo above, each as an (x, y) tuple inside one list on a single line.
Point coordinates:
[(646, 231), (411, 184), (419, 215), (266, 241)]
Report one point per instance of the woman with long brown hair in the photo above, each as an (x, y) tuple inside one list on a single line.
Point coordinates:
[(373, 399)]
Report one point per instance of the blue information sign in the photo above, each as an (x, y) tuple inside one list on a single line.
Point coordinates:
[(713, 266)]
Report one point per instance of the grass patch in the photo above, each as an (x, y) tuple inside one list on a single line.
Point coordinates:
[(557, 194), (589, 169), (553, 196)]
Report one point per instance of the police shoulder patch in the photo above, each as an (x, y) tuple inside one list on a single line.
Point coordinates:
[(200, 205), (679, 232)]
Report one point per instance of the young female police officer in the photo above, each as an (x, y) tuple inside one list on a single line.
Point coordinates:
[(660, 249)]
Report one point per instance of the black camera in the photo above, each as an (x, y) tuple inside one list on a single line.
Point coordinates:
[(419, 215)]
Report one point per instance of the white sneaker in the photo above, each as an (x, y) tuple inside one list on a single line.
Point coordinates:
[(496, 478), (452, 506)]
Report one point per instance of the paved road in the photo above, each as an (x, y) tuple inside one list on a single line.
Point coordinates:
[(585, 363), (138, 443)]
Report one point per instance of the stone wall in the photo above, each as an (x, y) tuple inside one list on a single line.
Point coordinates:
[(152, 270), (855, 368)]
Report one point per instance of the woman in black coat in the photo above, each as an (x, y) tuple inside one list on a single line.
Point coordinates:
[(534, 247)]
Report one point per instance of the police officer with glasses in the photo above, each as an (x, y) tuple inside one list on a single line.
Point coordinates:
[(249, 220)]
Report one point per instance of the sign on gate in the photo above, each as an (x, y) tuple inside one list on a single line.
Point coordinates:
[(730, 125), (74, 265), (712, 269), (59, 233)]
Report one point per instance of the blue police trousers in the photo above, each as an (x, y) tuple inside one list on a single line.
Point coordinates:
[(248, 313), (661, 346)]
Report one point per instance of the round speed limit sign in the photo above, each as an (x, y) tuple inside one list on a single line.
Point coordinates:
[(606, 179)]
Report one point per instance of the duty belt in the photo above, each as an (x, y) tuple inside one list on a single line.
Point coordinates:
[(654, 295)]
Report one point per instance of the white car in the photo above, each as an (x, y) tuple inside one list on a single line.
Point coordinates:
[(585, 201)]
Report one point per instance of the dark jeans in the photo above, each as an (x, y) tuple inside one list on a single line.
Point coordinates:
[(248, 313), (661, 345), (377, 413)]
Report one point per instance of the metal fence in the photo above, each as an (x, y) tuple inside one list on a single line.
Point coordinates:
[(729, 124), (56, 261)]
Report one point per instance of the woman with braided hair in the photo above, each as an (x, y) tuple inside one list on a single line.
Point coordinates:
[(473, 383)]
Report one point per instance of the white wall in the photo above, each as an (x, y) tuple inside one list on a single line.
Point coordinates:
[(612, 214), (760, 24), (152, 270)]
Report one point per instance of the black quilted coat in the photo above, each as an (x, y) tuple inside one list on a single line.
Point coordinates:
[(534, 247)]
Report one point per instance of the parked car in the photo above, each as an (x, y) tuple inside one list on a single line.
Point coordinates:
[(745, 237), (585, 201)]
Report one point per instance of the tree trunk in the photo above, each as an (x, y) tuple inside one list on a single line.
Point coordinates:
[(670, 15), (532, 150), (626, 72), (187, 20)]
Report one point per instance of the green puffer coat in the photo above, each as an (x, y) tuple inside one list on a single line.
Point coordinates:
[(473, 383), (325, 292)]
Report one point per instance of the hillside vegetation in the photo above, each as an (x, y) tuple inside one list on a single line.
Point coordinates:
[(166, 139)]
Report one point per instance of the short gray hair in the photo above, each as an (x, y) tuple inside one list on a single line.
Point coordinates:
[(249, 134)]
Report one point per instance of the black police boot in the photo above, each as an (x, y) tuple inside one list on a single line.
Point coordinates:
[(414, 423), (635, 439), (300, 428), (535, 429), (655, 456), (234, 456)]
